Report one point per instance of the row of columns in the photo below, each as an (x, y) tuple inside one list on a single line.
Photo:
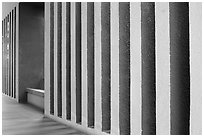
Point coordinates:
[(9, 54), (118, 67)]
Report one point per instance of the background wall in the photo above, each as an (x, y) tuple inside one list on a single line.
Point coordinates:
[(7, 7), (31, 47)]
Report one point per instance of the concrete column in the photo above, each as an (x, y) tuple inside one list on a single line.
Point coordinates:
[(97, 67), (47, 64), (64, 73), (55, 60), (9, 55), (14, 40), (84, 64), (114, 17), (6, 52), (195, 20), (73, 61), (17, 53), (135, 69), (3, 56), (12, 53), (162, 68)]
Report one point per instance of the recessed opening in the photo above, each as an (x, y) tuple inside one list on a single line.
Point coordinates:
[(105, 44), (124, 68), (68, 62), (148, 68), (90, 62), (179, 68), (78, 62), (52, 58), (59, 58)]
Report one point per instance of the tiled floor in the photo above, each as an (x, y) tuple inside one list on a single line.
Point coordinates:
[(24, 119)]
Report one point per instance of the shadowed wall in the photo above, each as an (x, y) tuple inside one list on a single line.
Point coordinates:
[(31, 47)]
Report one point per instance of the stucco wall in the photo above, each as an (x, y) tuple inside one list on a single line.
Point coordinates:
[(31, 47), (7, 7)]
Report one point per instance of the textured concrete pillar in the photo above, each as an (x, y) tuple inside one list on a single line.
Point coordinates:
[(9, 56), (73, 61), (114, 17), (6, 41), (97, 65), (162, 69), (55, 60), (17, 53), (8, 49), (47, 64), (64, 73), (12, 55), (84, 64), (14, 40), (195, 20), (6, 56), (135, 69)]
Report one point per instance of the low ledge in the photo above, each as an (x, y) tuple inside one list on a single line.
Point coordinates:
[(37, 92)]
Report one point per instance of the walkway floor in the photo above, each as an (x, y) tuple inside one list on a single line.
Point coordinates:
[(24, 119)]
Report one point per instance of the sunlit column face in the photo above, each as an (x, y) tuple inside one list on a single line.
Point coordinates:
[(7, 46), (8, 26), (7, 51)]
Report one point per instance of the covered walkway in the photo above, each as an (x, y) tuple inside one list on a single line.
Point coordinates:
[(24, 119)]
